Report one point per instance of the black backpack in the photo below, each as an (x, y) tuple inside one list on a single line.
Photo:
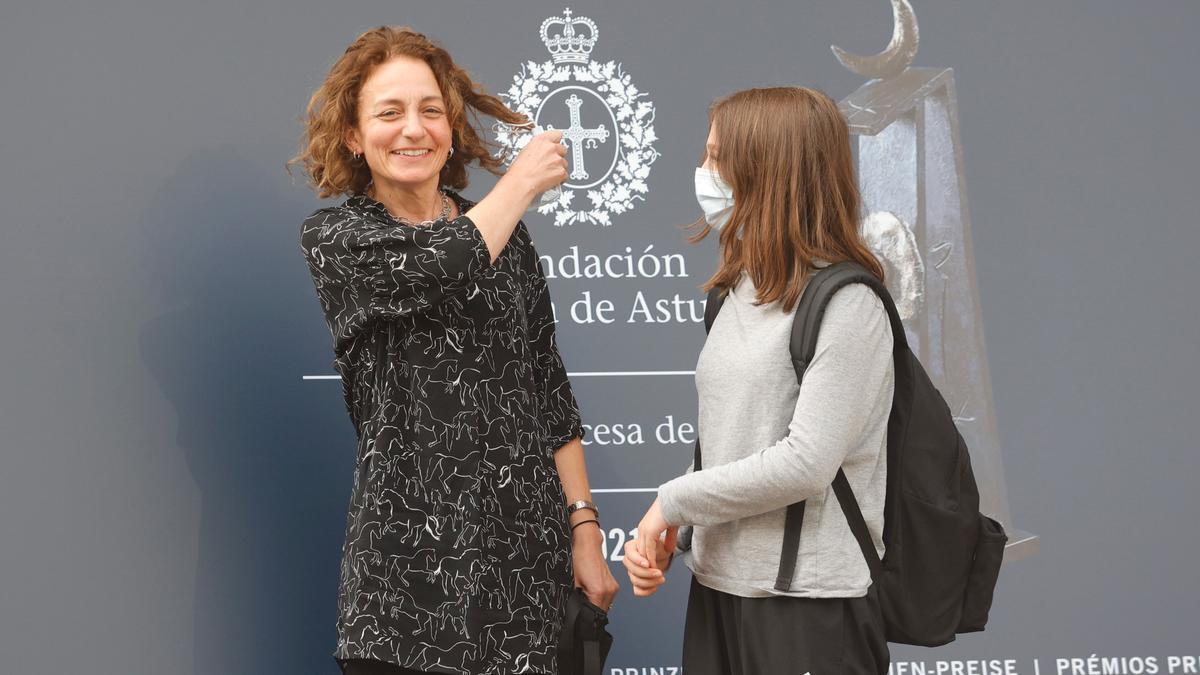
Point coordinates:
[(942, 555)]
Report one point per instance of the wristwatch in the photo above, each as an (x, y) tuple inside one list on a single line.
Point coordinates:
[(582, 504)]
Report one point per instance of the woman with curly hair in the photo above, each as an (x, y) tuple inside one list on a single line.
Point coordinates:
[(470, 516)]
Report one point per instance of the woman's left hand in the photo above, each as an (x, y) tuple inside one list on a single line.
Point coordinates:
[(591, 569)]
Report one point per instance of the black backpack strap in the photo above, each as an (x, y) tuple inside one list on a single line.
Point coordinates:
[(806, 327), (792, 524), (897, 432), (716, 298), (858, 524)]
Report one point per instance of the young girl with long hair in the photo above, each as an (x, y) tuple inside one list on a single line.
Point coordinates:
[(778, 185)]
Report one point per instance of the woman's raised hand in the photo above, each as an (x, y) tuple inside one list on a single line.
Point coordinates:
[(541, 165)]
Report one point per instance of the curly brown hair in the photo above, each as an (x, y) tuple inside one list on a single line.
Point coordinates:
[(333, 109)]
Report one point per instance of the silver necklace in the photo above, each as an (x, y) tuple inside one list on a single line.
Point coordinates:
[(444, 215)]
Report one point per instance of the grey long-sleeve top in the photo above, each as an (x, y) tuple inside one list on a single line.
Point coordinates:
[(768, 442)]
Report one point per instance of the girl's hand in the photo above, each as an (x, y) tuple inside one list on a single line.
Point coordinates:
[(591, 569), (647, 557), (644, 578)]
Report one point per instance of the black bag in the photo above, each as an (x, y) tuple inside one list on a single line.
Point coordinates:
[(584, 642), (942, 555)]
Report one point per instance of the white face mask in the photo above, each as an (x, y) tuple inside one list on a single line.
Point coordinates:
[(715, 197)]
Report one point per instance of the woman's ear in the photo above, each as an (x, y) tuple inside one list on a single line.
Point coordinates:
[(350, 138)]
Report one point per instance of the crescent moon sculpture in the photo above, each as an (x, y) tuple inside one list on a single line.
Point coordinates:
[(900, 51)]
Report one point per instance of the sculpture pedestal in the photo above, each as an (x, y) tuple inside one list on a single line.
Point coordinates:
[(910, 165)]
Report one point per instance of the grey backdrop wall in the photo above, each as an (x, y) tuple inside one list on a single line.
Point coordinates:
[(172, 492)]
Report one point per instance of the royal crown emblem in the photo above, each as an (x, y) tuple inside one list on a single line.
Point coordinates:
[(565, 42), (606, 121)]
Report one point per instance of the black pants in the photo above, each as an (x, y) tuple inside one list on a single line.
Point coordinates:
[(372, 667), (729, 635)]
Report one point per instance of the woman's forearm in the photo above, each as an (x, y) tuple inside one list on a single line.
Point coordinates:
[(588, 554), (572, 471), (497, 214), (539, 166)]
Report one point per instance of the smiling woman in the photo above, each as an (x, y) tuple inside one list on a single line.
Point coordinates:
[(340, 106), (460, 549), (403, 132)]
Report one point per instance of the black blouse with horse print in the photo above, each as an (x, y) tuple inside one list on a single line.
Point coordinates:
[(457, 555)]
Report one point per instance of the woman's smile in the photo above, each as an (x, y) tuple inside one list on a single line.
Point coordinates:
[(412, 153)]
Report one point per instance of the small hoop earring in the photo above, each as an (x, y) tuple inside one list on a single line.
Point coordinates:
[(451, 152), (357, 156)]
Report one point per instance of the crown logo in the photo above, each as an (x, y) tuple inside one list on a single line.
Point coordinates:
[(566, 42)]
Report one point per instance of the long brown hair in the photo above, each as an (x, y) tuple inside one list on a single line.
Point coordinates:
[(333, 109), (785, 151)]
